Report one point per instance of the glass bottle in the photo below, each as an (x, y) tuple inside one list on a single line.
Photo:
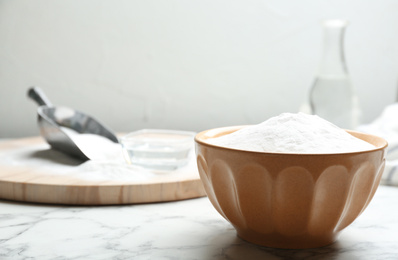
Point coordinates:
[(332, 95)]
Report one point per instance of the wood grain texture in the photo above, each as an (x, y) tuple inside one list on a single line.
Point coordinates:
[(26, 174)]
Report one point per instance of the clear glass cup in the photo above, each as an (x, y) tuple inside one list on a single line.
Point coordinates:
[(158, 149)]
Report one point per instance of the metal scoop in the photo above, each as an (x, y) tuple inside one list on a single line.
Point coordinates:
[(53, 121)]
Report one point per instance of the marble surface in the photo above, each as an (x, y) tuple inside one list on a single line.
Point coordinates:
[(189, 229)]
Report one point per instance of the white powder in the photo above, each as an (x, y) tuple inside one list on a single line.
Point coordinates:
[(95, 147), (293, 133)]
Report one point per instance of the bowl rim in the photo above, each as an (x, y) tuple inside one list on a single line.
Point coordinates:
[(229, 129), (136, 136)]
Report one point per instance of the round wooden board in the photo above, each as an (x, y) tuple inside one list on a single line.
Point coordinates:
[(32, 172)]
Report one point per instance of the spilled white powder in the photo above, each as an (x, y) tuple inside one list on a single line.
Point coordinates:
[(293, 133)]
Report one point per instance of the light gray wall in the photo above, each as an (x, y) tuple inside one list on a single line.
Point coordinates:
[(187, 65)]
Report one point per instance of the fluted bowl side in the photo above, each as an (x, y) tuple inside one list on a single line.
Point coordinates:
[(289, 200)]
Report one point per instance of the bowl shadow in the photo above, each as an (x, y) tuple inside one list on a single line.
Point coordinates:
[(236, 248)]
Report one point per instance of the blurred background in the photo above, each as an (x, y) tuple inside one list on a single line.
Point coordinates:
[(188, 65)]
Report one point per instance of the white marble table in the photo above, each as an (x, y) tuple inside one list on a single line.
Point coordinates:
[(189, 229)]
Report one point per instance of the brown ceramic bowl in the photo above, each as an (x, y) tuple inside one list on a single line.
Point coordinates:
[(289, 200)]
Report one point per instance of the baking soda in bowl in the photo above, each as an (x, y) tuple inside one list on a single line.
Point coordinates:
[(293, 133)]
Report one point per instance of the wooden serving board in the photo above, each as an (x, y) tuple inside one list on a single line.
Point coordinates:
[(32, 172)]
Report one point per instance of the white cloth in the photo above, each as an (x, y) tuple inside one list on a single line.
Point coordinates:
[(386, 126)]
